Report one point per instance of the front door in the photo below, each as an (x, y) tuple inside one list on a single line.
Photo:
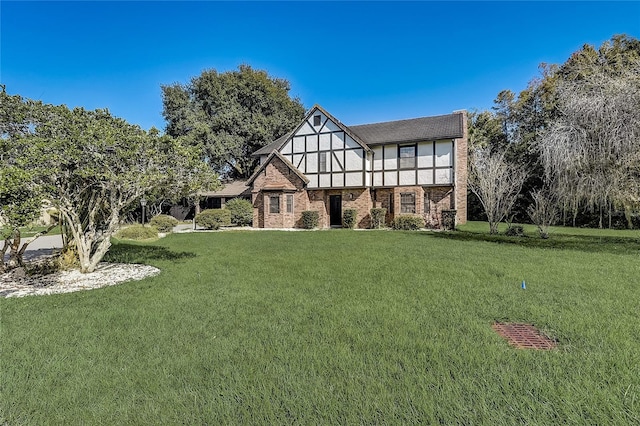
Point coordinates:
[(335, 210)]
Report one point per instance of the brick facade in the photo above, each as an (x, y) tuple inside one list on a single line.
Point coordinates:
[(438, 198), (461, 173), (278, 180)]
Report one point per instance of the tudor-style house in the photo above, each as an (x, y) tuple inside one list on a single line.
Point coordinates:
[(409, 167)]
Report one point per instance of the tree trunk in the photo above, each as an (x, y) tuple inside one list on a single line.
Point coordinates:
[(3, 251), (627, 215), (15, 255), (493, 228)]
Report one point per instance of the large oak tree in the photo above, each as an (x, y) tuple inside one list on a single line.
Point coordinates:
[(230, 115)]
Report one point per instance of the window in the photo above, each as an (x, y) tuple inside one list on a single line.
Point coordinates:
[(274, 204), (323, 161), (427, 202), (289, 203), (316, 120), (407, 155), (408, 202), (391, 203)]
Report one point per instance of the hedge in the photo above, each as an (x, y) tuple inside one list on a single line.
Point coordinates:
[(213, 218), (408, 223), (164, 222), (349, 217)]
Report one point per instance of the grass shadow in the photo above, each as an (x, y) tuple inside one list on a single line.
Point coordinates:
[(584, 243), (122, 252)]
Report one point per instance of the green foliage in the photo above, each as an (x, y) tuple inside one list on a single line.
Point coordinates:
[(449, 219), (378, 217), (408, 223), (94, 167), (163, 222), (137, 232), (349, 217), (514, 231), (230, 115), (310, 219), (213, 218), (241, 211)]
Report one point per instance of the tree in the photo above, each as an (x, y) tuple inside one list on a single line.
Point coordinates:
[(96, 167), (527, 118), (543, 212), (591, 151), (495, 182), (20, 204), (230, 115), (20, 196)]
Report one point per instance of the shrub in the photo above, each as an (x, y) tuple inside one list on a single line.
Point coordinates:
[(514, 231), (349, 217), (378, 217), (241, 211), (449, 219), (164, 222), (213, 218), (68, 258), (408, 223), (310, 219), (137, 232)]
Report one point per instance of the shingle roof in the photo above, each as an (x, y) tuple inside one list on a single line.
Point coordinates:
[(415, 129), (266, 150), (232, 189)]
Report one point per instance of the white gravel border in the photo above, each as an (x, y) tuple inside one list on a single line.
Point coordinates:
[(14, 284)]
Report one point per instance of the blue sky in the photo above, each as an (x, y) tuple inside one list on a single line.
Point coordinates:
[(362, 61)]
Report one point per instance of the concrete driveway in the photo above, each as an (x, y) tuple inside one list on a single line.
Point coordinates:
[(41, 246)]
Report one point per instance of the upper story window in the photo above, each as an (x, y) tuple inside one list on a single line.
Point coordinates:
[(407, 156), (323, 161), (316, 120)]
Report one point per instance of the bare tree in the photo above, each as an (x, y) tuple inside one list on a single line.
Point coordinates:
[(543, 211), (591, 152), (496, 183)]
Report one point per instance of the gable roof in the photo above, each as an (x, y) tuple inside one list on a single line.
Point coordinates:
[(344, 128), (278, 143), (412, 130), (276, 153)]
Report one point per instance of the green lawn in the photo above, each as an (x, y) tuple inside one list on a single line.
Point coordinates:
[(335, 327)]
